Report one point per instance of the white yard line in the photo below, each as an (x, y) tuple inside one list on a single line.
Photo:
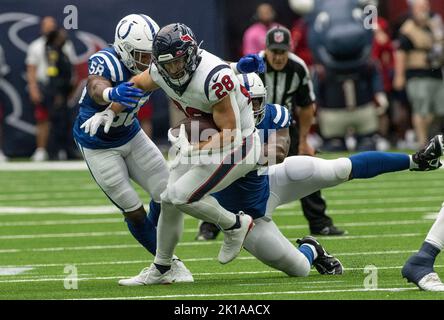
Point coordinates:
[(240, 294), (75, 210), (97, 263), (44, 166), (191, 230), (197, 275), (188, 243), (109, 209), (60, 222), (126, 233)]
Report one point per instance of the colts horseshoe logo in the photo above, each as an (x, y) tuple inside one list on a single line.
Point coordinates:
[(127, 32)]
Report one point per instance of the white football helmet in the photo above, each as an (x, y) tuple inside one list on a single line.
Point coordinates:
[(134, 39), (255, 87)]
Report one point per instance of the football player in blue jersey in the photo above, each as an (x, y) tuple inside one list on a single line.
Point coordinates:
[(121, 151), (297, 176)]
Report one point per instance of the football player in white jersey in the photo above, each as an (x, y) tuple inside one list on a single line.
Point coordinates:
[(200, 84), (124, 152)]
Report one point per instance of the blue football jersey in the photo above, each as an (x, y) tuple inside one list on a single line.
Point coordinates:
[(105, 63), (250, 193)]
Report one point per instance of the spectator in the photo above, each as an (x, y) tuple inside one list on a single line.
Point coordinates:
[(38, 79), (59, 87), (418, 68), (346, 104), (346, 79), (254, 36), (384, 53)]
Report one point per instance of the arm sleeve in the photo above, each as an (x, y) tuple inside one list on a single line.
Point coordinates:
[(279, 116)]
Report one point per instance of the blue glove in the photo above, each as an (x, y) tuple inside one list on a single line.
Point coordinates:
[(251, 63), (123, 94)]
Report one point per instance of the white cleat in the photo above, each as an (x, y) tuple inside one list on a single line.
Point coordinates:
[(234, 239), (431, 282), (180, 272), (149, 276), (39, 155)]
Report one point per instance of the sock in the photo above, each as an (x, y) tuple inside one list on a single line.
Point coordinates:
[(309, 252), (436, 233), (430, 250), (373, 163), (144, 233), (162, 269), (154, 214), (236, 225)]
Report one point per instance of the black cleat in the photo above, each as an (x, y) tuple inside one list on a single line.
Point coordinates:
[(324, 263), (427, 159), (328, 231), (207, 231)]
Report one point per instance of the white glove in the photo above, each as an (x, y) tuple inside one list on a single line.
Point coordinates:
[(104, 118), (180, 144)]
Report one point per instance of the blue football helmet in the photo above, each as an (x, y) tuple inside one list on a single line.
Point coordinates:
[(176, 55)]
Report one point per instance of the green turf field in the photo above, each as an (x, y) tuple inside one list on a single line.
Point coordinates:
[(51, 220)]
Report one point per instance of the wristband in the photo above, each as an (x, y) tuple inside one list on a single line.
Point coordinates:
[(105, 94)]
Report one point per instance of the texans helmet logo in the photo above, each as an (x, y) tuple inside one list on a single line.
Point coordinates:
[(186, 38)]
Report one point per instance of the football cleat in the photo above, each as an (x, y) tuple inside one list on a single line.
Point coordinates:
[(431, 282), (234, 239), (150, 275), (428, 159), (324, 263), (329, 231), (180, 272), (419, 270), (207, 231)]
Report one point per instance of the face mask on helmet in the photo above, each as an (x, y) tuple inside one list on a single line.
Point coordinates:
[(175, 54), (258, 94), (141, 59), (133, 41), (258, 103)]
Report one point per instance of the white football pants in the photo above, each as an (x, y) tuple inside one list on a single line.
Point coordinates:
[(295, 178), (139, 160), (188, 191)]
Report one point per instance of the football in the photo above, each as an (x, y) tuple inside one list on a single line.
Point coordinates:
[(197, 128)]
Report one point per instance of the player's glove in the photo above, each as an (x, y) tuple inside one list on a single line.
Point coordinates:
[(251, 63), (124, 94), (104, 118), (180, 144)]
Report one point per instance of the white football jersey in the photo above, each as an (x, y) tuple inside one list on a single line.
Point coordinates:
[(212, 81)]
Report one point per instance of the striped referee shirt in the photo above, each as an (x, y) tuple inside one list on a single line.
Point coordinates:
[(292, 86)]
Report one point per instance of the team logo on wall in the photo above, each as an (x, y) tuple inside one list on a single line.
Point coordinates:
[(15, 48)]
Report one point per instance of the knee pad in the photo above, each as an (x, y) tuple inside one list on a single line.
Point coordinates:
[(342, 168), (299, 168), (174, 195)]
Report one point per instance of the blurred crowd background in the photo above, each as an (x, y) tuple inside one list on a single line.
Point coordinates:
[(378, 84)]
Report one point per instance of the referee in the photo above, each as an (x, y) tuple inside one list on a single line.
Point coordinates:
[(288, 83)]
